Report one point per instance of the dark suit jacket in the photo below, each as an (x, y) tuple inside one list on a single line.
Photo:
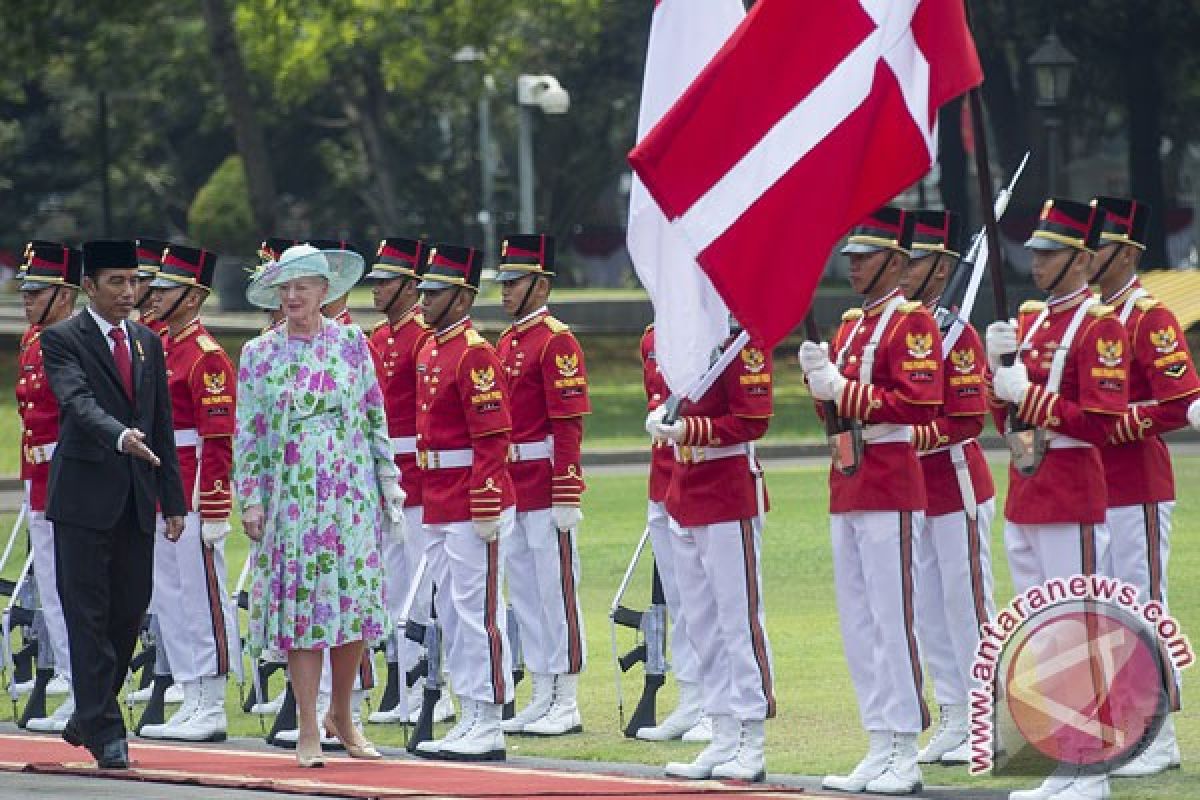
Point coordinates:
[(90, 482)]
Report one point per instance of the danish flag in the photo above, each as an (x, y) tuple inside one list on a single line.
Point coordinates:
[(811, 116)]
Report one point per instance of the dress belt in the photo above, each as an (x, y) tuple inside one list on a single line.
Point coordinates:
[(531, 451), (403, 445), (685, 454), (445, 459), (39, 453), (887, 433), (187, 437)]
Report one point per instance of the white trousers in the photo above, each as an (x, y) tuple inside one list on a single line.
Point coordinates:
[(1037, 553), (400, 560), (873, 554), (468, 574), (684, 662), (196, 615), (41, 537), (718, 571), (953, 562), (542, 564)]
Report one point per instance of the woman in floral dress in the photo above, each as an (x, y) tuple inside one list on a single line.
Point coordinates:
[(317, 484)]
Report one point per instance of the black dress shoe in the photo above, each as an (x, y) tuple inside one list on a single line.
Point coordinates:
[(71, 734), (113, 754)]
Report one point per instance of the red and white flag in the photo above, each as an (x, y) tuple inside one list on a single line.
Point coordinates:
[(690, 317), (810, 117)]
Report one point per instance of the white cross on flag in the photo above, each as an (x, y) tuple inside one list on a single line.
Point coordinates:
[(810, 117)]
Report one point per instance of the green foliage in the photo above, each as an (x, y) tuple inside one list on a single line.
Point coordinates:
[(220, 215)]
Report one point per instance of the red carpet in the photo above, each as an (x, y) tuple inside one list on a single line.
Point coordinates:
[(344, 777)]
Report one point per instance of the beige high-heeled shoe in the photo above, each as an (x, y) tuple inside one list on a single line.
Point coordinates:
[(310, 758), (356, 747)]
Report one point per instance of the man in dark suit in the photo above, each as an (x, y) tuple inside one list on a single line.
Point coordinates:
[(114, 461)]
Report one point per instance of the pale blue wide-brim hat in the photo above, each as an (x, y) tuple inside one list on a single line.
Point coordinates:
[(342, 268)]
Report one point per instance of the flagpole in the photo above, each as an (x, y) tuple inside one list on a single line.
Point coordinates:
[(986, 193)]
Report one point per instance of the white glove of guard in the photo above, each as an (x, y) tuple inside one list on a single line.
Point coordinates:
[(487, 529), (397, 528), (1001, 341), (672, 432), (214, 531), (1194, 414), (566, 518), (1010, 383), (654, 418), (826, 383), (813, 356), (393, 509)]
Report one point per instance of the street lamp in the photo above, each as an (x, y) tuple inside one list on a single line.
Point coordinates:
[(544, 92), (487, 161), (1052, 65)]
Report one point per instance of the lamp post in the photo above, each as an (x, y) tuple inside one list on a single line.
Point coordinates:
[(1052, 65), (544, 92), (487, 160)]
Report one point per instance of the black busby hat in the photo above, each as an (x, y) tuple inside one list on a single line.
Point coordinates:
[(49, 264), (1125, 221), (185, 266), (936, 232), (524, 254), (109, 254), (149, 256), (450, 265), (1067, 224), (398, 258), (886, 228), (271, 249), (333, 244)]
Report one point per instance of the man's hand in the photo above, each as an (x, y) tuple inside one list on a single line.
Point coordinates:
[(174, 528), (487, 529), (566, 518), (1001, 341), (252, 522), (826, 383), (1010, 383), (1194, 414), (214, 531), (813, 356), (133, 442)]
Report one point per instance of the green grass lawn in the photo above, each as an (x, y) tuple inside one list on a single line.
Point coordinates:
[(817, 728)]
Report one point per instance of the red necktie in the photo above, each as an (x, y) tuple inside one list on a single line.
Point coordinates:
[(121, 357)]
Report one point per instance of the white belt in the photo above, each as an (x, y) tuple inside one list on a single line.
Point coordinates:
[(531, 451), (445, 459), (187, 437), (39, 453), (403, 445), (1057, 441), (943, 448), (695, 455), (886, 433)]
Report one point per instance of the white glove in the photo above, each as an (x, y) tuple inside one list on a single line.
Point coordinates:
[(826, 383), (487, 529), (672, 432), (397, 528), (393, 499), (813, 356), (1010, 383), (1194, 414), (1001, 341), (214, 531), (654, 418), (566, 518)]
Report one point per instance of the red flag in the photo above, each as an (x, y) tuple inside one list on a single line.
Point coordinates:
[(811, 116)]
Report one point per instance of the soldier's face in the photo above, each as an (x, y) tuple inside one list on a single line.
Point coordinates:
[(388, 294), (112, 293), (1048, 266), (916, 272), (513, 293), (35, 303), (164, 300), (436, 302), (864, 267)]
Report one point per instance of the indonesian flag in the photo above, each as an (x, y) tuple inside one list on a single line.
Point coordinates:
[(690, 317), (810, 117)]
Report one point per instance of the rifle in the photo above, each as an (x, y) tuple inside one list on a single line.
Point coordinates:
[(702, 384), (35, 706), (6, 586), (651, 625), (19, 613), (429, 667), (843, 435), (518, 660), (155, 711)]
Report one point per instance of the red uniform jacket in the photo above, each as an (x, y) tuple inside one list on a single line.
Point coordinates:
[(1162, 384), (905, 389), (463, 404), (964, 409), (736, 410), (662, 455), (1068, 487), (203, 386), (547, 384), (157, 325), (38, 408), (395, 348)]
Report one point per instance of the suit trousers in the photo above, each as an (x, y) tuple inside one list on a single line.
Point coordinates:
[(104, 579)]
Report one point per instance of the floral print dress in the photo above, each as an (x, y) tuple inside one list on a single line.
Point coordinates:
[(312, 448)]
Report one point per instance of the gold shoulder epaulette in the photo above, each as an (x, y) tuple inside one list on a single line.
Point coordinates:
[(1144, 304), (1100, 310), (910, 306), (556, 325), (207, 343), (1032, 307), (851, 314), (378, 325), (474, 339)]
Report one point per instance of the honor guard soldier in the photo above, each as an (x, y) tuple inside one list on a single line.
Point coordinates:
[(395, 343), (687, 721), (885, 379), (197, 621), (952, 558), (49, 284), (1070, 387), (717, 502), (547, 385), (338, 307), (463, 427), (1137, 464), (149, 253)]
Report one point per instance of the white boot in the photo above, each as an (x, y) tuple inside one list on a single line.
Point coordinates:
[(208, 722), (482, 741), (685, 716), (539, 703), (748, 762), (902, 775), (292, 736), (271, 706), (431, 747), (60, 684), (1055, 782), (1161, 755), (879, 751), (56, 722), (951, 733), (563, 715), (1085, 787), (174, 694), (191, 700), (700, 732), (721, 749)]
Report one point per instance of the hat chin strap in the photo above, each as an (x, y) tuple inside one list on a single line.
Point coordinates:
[(437, 324), (46, 308), (395, 296), (1100, 273), (1062, 273), (887, 262), (142, 300), (522, 309), (920, 292), (166, 317)]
